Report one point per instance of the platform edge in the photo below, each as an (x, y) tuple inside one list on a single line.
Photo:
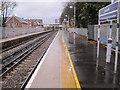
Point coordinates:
[(71, 63)]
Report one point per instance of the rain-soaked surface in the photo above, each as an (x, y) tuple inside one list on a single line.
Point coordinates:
[(92, 73)]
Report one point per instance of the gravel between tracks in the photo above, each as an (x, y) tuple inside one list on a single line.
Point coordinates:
[(17, 76)]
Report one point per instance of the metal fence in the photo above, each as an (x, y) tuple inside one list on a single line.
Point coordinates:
[(12, 32), (104, 33), (81, 31)]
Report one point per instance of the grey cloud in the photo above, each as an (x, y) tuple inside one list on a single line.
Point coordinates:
[(45, 10)]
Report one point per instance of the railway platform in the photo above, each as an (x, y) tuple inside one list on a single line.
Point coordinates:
[(72, 63), (55, 69), (93, 73)]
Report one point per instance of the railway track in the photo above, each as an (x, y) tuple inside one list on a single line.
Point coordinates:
[(13, 46), (25, 63), (21, 41), (19, 58), (23, 50), (11, 51)]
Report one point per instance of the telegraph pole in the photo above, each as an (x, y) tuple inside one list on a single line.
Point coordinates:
[(74, 15), (1, 16)]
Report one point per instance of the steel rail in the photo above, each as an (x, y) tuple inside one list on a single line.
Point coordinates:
[(21, 57), (20, 49)]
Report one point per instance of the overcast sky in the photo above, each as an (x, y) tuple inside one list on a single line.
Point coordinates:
[(48, 10)]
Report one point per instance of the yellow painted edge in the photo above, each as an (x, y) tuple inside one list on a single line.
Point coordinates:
[(73, 69)]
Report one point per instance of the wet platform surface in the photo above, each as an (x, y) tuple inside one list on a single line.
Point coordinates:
[(92, 73)]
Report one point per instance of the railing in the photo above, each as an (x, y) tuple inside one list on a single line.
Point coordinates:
[(81, 31), (104, 33)]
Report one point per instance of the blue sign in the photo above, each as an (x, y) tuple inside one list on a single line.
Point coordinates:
[(72, 20), (109, 8), (109, 12), (110, 16)]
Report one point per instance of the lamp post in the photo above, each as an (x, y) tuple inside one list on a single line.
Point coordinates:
[(74, 13), (67, 19), (1, 15), (64, 24)]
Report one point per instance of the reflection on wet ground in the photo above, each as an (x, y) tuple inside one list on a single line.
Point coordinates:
[(92, 73)]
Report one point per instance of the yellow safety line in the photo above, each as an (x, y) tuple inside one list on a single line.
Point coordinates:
[(73, 69)]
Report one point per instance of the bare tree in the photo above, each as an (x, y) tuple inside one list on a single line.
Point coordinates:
[(7, 8)]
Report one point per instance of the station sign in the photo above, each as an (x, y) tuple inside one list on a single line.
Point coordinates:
[(71, 20), (109, 12)]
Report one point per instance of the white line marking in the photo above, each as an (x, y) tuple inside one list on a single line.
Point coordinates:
[(108, 13)]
